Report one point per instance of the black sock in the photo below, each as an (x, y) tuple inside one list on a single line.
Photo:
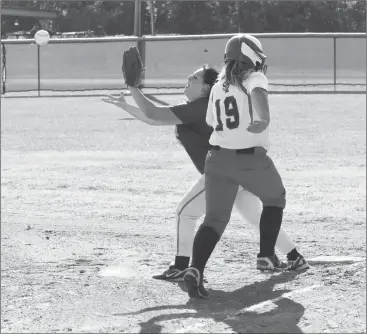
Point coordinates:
[(204, 243), (182, 262), (270, 223), (293, 255)]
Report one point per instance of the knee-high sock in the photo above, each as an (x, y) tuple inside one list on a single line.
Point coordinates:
[(204, 243), (270, 223), (249, 207)]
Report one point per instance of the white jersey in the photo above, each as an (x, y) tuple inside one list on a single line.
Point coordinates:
[(230, 113)]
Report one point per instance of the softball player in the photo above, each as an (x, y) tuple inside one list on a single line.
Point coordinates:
[(238, 111), (193, 133)]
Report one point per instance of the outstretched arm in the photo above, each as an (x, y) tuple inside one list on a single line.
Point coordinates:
[(132, 68), (131, 109), (160, 114)]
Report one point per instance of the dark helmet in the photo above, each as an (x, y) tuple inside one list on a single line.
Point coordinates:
[(247, 49)]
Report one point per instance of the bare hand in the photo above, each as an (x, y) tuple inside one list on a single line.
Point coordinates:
[(117, 101), (257, 126)]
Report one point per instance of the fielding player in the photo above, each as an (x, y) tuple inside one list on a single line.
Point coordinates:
[(193, 133)]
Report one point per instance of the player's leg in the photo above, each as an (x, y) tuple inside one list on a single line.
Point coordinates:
[(257, 174), (220, 193), (249, 207), (190, 208)]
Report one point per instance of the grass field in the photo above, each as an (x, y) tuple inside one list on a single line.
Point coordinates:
[(88, 201)]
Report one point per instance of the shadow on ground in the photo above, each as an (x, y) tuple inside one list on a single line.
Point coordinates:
[(234, 309)]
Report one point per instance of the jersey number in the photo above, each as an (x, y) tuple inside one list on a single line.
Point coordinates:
[(231, 110)]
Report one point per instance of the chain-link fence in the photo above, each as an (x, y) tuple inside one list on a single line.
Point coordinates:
[(296, 62)]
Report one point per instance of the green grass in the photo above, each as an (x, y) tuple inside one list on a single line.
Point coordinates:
[(84, 187)]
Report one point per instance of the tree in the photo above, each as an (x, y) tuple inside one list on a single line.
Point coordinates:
[(193, 17)]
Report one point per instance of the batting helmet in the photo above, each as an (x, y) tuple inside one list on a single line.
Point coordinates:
[(247, 49)]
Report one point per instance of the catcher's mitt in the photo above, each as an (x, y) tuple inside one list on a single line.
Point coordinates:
[(132, 67)]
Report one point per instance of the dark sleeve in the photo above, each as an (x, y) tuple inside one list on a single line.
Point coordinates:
[(191, 112)]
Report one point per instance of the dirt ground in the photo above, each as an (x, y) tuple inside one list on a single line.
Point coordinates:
[(88, 198)]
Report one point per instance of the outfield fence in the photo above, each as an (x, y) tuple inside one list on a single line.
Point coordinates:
[(309, 62)]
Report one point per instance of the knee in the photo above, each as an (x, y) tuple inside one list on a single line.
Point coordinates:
[(180, 209), (183, 212), (215, 224), (278, 200)]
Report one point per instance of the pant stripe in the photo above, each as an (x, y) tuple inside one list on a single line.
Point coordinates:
[(179, 213)]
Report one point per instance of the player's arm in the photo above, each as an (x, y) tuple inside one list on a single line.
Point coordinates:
[(131, 109), (153, 112), (259, 99), (138, 114), (209, 110)]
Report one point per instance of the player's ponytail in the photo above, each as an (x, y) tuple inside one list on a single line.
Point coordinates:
[(235, 73)]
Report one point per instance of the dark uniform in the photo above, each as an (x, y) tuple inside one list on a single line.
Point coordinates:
[(194, 134)]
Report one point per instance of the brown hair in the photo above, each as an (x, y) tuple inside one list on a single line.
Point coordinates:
[(234, 73), (210, 75)]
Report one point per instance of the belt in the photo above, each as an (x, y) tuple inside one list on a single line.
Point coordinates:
[(249, 150)]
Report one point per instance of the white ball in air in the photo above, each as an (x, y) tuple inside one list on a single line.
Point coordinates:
[(42, 37)]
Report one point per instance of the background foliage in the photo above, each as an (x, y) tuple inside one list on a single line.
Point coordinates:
[(116, 17)]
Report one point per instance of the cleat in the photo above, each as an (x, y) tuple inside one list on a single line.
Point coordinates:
[(271, 263), (172, 274), (194, 284), (299, 264)]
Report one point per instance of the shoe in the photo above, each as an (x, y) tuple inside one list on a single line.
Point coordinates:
[(299, 264), (271, 263), (194, 284), (172, 274)]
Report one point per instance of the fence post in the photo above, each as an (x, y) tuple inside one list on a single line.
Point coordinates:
[(3, 71), (334, 46), (141, 48), (152, 26), (137, 18), (39, 69), (138, 32)]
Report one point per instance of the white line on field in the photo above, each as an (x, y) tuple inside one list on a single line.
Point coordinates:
[(284, 295), (194, 328), (191, 329)]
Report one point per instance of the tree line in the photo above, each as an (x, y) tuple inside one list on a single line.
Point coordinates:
[(191, 17)]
